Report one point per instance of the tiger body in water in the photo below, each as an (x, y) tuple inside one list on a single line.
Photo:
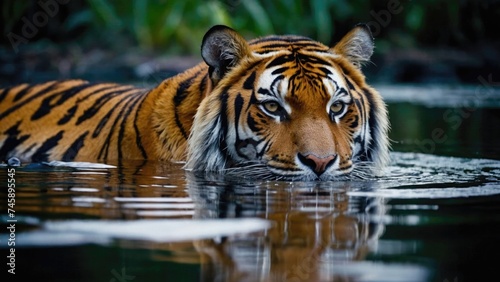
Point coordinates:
[(277, 107)]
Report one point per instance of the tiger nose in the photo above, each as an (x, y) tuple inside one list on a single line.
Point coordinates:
[(317, 164)]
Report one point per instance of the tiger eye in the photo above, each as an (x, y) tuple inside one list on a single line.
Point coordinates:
[(271, 106), (337, 107)]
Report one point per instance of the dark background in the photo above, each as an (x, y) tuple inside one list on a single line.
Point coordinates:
[(426, 41)]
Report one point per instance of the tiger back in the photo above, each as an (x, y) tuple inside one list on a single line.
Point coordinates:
[(76, 120), (275, 107)]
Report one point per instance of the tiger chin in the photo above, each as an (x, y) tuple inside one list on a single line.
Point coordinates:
[(276, 107)]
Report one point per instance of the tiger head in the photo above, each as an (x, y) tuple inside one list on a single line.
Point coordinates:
[(288, 107)]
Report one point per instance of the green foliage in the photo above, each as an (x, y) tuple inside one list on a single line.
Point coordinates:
[(314, 18), (180, 25), (11, 12), (177, 26)]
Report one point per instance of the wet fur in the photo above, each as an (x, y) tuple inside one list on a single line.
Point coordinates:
[(213, 116)]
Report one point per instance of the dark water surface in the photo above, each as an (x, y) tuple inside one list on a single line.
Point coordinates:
[(434, 216)]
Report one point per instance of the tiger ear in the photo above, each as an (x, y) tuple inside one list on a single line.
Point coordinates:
[(222, 48), (357, 45)]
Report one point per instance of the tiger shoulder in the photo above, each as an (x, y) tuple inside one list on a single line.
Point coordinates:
[(276, 107)]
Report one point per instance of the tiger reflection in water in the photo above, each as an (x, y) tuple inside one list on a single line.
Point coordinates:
[(316, 228)]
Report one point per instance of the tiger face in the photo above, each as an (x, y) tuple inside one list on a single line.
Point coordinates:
[(288, 107)]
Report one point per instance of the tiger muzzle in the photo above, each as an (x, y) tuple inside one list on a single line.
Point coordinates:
[(318, 164)]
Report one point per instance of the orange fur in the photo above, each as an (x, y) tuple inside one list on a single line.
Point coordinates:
[(214, 114)]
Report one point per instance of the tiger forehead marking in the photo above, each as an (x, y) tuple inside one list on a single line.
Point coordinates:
[(283, 85), (277, 107)]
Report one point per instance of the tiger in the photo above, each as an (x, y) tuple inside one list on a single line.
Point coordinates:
[(275, 107)]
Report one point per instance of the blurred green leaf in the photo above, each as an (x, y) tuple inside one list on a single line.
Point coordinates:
[(12, 12), (81, 18), (140, 23), (179, 25), (260, 18), (105, 12), (322, 19), (415, 16), (171, 20)]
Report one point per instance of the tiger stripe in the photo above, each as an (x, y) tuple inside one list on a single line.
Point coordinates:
[(282, 107), (72, 151), (41, 154)]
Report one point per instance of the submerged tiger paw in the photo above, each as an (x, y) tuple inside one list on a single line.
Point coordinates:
[(281, 107)]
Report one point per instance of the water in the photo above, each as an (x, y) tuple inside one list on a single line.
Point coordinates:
[(432, 217)]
